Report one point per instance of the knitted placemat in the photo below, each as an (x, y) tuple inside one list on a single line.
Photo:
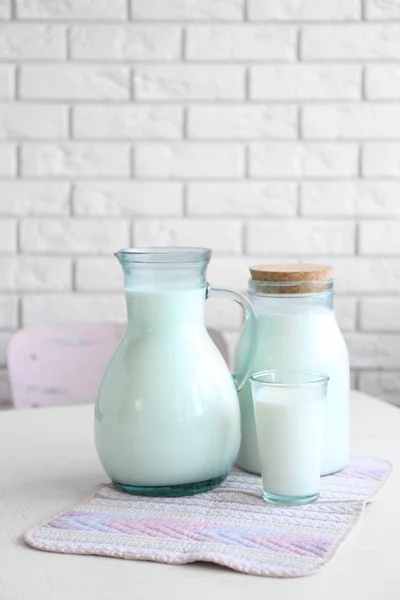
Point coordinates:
[(230, 526)]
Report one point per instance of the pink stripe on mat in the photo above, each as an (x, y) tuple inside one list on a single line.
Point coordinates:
[(230, 526)]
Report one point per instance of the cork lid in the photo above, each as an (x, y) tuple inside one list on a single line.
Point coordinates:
[(299, 278)]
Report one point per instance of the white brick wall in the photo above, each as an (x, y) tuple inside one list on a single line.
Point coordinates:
[(7, 82), (305, 82), (27, 42), (222, 235), (189, 160), (128, 198), (75, 160), (242, 198), (363, 41), (380, 159), (29, 273), (71, 10), (8, 235), (235, 42), (127, 122), (8, 160), (242, 122), (73, 236), (74, 82), (267, 130), (305, 10), (189, 82), (125, 42), (33, 121), (307, 237), (350, 199), (302, 160)]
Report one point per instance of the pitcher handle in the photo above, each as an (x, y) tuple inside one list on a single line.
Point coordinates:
[(241, 375)]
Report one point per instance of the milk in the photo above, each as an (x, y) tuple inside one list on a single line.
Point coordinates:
[(289, 432), (294, 336), (168, 411)]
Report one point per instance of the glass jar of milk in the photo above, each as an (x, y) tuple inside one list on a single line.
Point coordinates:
[(298, 331)]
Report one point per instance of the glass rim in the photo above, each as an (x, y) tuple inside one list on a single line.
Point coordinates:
[(165, 255), (306, 378)]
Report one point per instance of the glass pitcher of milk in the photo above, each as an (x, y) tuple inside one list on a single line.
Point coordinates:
[(167, 418), (298, 331)]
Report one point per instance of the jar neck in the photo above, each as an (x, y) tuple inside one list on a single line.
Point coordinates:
[(291, 288), (292, 303)]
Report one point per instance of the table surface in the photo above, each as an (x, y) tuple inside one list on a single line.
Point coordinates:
[(48, 463)]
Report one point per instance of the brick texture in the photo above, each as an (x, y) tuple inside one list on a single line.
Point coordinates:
[(27, 273), (266, 130), (32, 121), (380, 314), (365, 276), (381, 10), (125, 42), (197, 82), (242, 199), (23, 198), (352, 42), (233, 272), (224, 236), (73, 236), (305, 82), (306, 237), (133, 198), (350, 198), (230, 10), (307, 10), (374, 350), (232, 42), (71, 10), (50, 308), (381, 159), (382, 82), (98, 275), (242, 122), (7, 86), (27, 42), (189, 160), (74, 82), (75, 160), (9, 305), (8, 235), (350, 121), (380, 237), (297, 160), (127, 122), (8, 160)]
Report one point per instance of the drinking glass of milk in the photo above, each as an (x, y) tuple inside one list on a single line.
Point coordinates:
[(289, 414)]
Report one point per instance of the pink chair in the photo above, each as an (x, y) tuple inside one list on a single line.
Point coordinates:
[(54, 365)]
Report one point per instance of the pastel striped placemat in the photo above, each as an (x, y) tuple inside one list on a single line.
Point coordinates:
[(231, 525)]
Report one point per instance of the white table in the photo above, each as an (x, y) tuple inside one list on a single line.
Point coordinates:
[(48, 462)]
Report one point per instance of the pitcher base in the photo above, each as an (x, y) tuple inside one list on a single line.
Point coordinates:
[(171, 491)]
